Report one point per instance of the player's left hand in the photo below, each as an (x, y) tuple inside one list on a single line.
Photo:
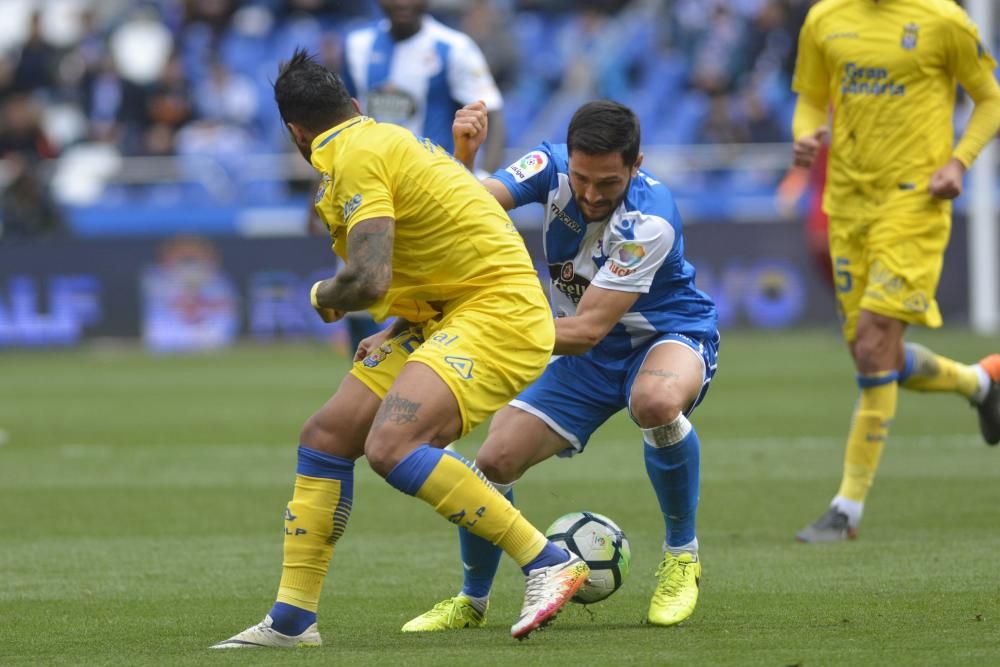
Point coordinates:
[(946, 183), (470, 127), (328, 315)]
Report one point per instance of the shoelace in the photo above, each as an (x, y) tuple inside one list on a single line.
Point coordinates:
[(674, 578), (445, 608), (535, 589)]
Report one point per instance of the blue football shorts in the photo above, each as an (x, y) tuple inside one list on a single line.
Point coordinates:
[(576, 394)]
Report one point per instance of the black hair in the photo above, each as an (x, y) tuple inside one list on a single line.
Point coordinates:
[(310, 95), (603, 127)]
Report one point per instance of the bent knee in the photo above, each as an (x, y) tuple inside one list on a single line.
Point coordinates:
[(383, 455), (499, 466), (877, 344), (338, 442), (655, 410), (315, 436)]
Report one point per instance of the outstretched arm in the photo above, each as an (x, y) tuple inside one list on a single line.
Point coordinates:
[(598, 311), (367, 274)]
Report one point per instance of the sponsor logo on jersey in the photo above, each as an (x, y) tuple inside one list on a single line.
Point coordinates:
[(626, 228), (391, 105), (567, 273), (619, 270), (324, 183), (528, 166), (351, 206), (378, 356), (861, 80), (630, 254), (564, 218), (840, 35), (568, 281), (461, 365), (910, 34)]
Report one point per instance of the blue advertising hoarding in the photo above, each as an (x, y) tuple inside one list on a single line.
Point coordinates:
[(191, 292)]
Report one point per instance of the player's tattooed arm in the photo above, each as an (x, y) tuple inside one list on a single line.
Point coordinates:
[(367, 274)]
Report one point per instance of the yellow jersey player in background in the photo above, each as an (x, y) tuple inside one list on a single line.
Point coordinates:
[(889, 69), (422, 240)]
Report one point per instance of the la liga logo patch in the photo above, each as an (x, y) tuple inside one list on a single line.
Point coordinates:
[(528, 166), (630, 254)]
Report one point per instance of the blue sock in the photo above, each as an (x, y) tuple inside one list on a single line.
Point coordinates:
[(480, 560), (909, 363), (411, 473), (551, 555), (291, 620), (674, 471)]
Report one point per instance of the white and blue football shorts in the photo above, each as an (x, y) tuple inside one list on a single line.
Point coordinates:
[(576, 394)]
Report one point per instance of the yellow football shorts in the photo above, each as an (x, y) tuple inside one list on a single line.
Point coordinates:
[(890, 266), (487, 347)]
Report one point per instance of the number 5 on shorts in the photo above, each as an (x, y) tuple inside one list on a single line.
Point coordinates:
[(843, 278)]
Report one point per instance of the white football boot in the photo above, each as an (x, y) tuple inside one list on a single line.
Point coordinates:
[(546, 591), (263, 635)]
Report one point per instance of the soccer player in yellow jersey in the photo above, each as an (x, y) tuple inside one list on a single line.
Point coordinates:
[(889, 70), (422, 241)]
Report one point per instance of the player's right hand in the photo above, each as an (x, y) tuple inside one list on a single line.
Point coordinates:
[(469, 129), (367, 345), (807, 148), (328, 315)]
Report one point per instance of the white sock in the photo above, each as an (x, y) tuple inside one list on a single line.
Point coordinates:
[(984, 384), (690, 548), (852, 508), (479, 604), (503, 488)]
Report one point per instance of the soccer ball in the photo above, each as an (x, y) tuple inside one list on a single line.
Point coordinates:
[(598, 540)]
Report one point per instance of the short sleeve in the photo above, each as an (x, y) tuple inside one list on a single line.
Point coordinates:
[(967, 58), (469, 76), (638, 246), (363, 189), (357, 51), (530, 178), (812, 78)]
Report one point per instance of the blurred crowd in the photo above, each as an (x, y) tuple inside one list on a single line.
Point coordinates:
[(98, 80)]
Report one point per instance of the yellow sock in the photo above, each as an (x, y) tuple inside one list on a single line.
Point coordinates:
[(462, 495), (314, 521), (926, 371), (869, 430)]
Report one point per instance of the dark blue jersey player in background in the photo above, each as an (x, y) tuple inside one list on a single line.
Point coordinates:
[(632, 330)]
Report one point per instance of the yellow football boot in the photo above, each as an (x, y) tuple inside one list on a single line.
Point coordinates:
[(677, 590), (451, 614)]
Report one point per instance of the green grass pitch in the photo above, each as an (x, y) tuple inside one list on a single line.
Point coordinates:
[(141, 504)]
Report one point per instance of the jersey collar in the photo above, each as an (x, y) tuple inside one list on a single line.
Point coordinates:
[(325, 138)]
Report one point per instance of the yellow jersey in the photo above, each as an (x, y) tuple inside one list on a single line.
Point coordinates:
[(452, 238), (889, 68)]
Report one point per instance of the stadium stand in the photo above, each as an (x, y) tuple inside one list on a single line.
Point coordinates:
[(128, 117)]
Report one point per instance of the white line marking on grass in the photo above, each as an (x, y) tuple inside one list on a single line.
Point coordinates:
[(3, 437), (78, 451)]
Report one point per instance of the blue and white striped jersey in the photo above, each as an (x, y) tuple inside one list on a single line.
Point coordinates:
[(418, 82), (640, 248)]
